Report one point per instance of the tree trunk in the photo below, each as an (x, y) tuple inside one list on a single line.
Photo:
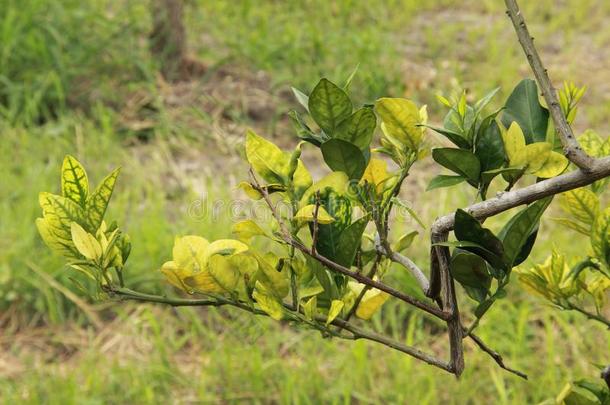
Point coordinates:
[(168, 38)]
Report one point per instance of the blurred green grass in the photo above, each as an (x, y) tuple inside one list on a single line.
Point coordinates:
[(66, 69)]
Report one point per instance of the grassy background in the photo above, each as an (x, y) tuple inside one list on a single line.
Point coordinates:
[(75, 77)]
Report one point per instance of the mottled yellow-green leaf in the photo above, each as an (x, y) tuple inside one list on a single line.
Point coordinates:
[(577, 226), (59, 212), (550, 279), (337, 181), (335, 309), (310, 307), (176, 275), (61, 246), (376, 173), (592, 143), (225, 247), (224, 272), (582, 204), (268, 302), (247, 229), (600, 236), (273, 165), (555, 164), (400, 119), (306, 214), (97, 202), (536, 155), (514, 145), (597, 286), (275, 281), (85, 243), (74, 182), (249, 190), (189, 252)]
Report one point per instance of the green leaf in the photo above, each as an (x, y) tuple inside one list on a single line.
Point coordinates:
[(358, 128), (301, 97), (519, 229), (470, 270), (349, 242), (457, 138), (98, 201), (443, 180), (85, 243), (404, 241), (523, 107), (469, 229), (335, 309), (350, 78), (409, 210), (303, 131), (527, 248), (74, 182), (460, 161), (482, 103), (600, 236), (329, 106), (345, 157), (492, 258), (489, 147)]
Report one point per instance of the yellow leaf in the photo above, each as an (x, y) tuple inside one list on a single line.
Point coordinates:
[(273, 165), (246, 230), (592, 143), (555, 164), (306, 214), (268, 302), (372, 300), (175, 275), (225, 247), (376, 173), (400, 119), (59, 212), (582, 204), (536, 155), (85, 243), (276, 281), (514, 145), (337, 181), (189, 252), (310, 307), (597, 287), (224, 273), (335, 309), (249, 190), (74, 182)]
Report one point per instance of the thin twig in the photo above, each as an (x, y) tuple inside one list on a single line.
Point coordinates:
[(495, 355), (571, 148), (407, 263)]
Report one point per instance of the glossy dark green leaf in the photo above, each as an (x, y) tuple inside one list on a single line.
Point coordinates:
[(444, 181), (493, 259), (329, 106), (523, 107), (340, 208), (358, 128), (527, 248), (460, 161), (343, 156), (470, 270), (518, 230), (489, 146), (455, 137), (469, 229), (483, 307)]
